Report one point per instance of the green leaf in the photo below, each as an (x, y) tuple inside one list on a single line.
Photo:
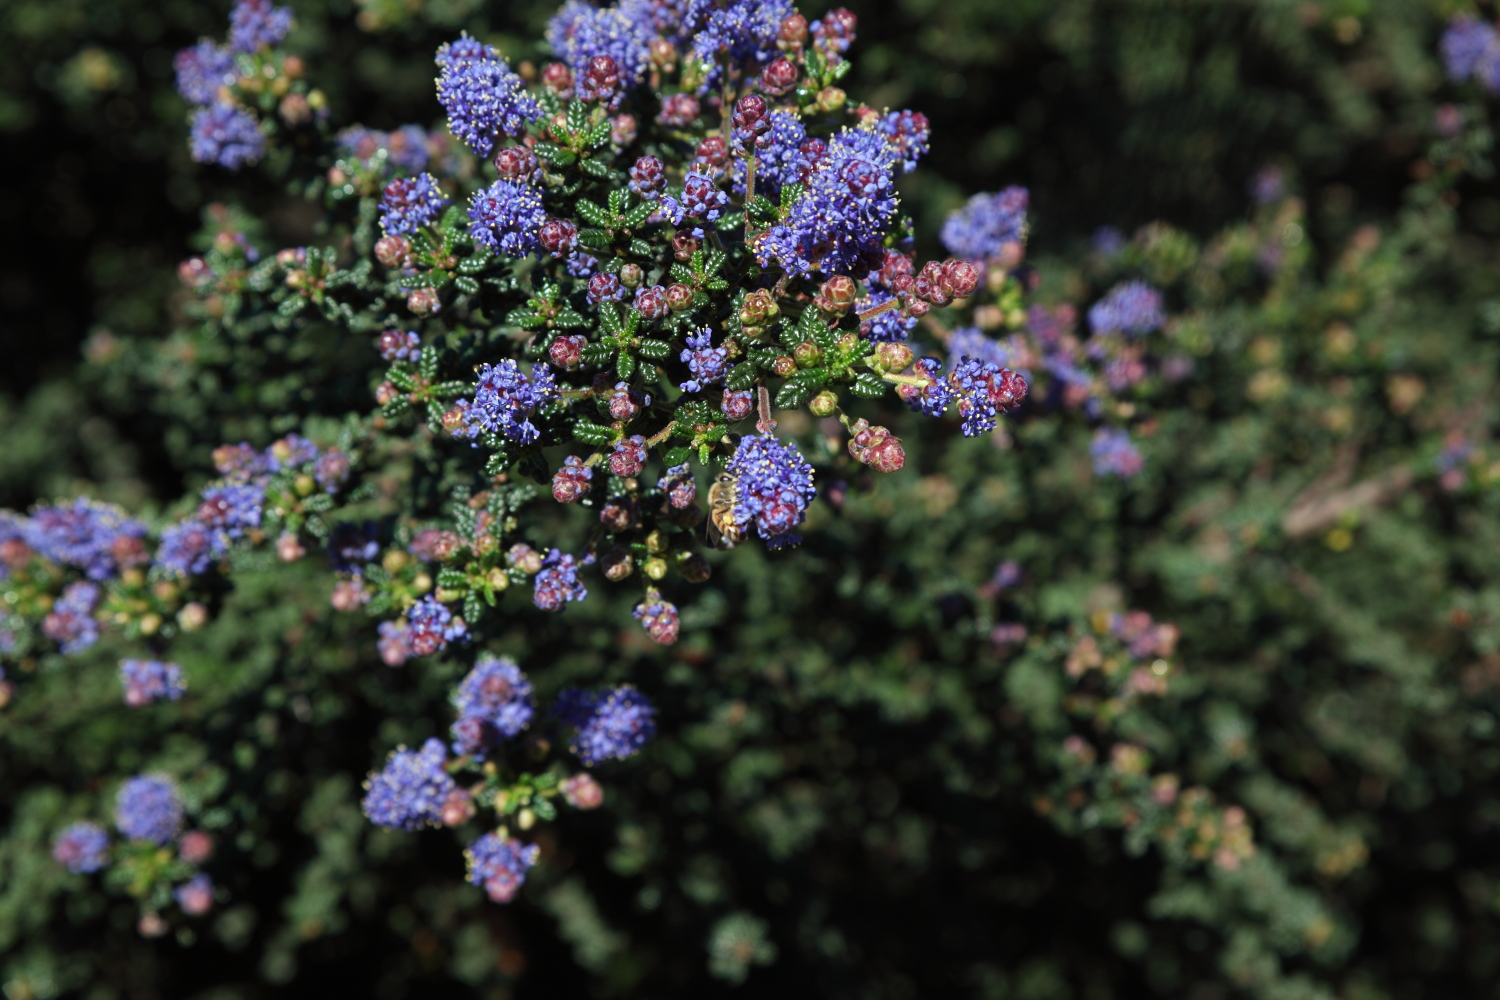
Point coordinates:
[(292, 305), (473, 607), (618, 199), (452, 579), (594, 213), (497, 463), (598, 354), (796, 390), (578, 116), (678, 455), (466, 284), (596, 238), (591, 433), (625, 366), (789, 196), (427, 363), (609, 319), (641, 248), (654, 349), (741, 377), (682, 274), (637, 216), (869, 385), (595, 168)]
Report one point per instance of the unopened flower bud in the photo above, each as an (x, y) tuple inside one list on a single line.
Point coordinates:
[(648, 177), (582, 791), (618, 514), (836, 296), (622, 130), (780, 77), (557, 78), (678, 111), (831, 99), (663, 55), (600, 79), (792, 34), (605, 287), (893, 357), (655, 568), (195, 847), (616, 563), (758, 309), (192, 617), (289, 547), (558, 236), (784, 365), (712, 152), (151, 925), (566, 352), (631, 275), (693, 567), (737, 405), (876, 447), (684, 245), (294, 109), (824, 404), (751, 119), (679, 297), (458, 808), (392, 251), (524, 558), (195, 272), (651, 302), (515, 163), (423, 301), (807, 355), (624, 402), (959, 278)]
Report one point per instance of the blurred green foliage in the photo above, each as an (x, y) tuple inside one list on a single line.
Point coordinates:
[(856, 792)]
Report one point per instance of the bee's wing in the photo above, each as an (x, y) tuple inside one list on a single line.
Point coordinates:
[(711, 533)]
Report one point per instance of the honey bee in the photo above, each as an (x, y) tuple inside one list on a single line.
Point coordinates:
[(720, 530)]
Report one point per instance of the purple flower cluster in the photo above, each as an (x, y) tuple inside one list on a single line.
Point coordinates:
[(989, 223), (838, 225), (397, 346), (1114, 453), (658, 617), (934, 395), (186, 549), (499, 865), (256, 23), (580, 31), (195, 896), (1471, 48), (558, 582), (1132, 307), (611, 726), (891, 325), (984, 389), (779, 159), (432, 626), (508, 217), (741, 33), (406, 147), (228, 511), (71, 621), (147, 808), (409, 204), (707, 362), (290, 452), (494, 704), (228, 135), (701, 200), (409, 792), (679, 486), (150, 680), (970, 342), (81, 848), (504, 400), (774, 486), (87, 534), (909, 134), (483, 98), (202, 70)]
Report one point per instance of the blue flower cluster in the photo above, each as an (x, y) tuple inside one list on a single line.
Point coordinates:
[(773, 486), (202, 70), (1132, 307), (150, 680), (498, 865), (579, 32), (494, 703), (431, 626), (484, 99), (1114, 453), (95, 537), (610, 726), (740, 34), (503, 402), (407, 147), (838, 226), (508, 217), (779, 159), (71, 621), (409, 792), (1471, 48), (148, 808), (909, 134), (411, 203), (255, 24), (987, 225), (707, 362), (228, 135), (81, 848), (558, 583)]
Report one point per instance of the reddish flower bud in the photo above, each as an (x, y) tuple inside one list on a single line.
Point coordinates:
[(624, 402), (678, 111), (959, 278), (423, 301), (195, 847), (679, 297), (605, 287), (515, 163), (780, 77), (618, 515), (876, 447), (792, 34), (581, 791), (616, 563), (648, 177), (751, 118), (558, 237), (893, 357), (566, 352), (651, 302), (392, 251), (557, 78), (929, 284), (737, 405), (458, 808), (837, 295), (631, 275), (784, 366), (600, 80), (684, 245), (195, 272), (622, 130), (712, 152)]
